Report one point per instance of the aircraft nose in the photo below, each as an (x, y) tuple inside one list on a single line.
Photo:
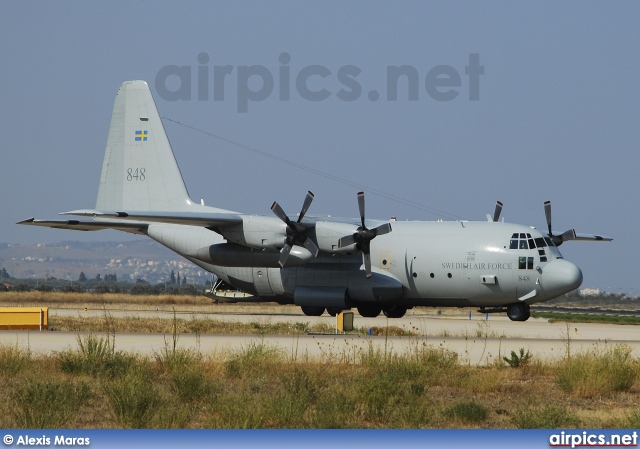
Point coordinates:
[(561, 276)]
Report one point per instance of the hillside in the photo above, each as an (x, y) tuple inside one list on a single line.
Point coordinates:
[(131, 260)]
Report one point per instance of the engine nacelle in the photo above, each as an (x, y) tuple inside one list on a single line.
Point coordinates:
[(328, 233), (232, 255), (257, 232)]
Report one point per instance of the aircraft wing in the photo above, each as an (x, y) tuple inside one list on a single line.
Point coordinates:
[(204, 219), (78, 225), (594, 237)]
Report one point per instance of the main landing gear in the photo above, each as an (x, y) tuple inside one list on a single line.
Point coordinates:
[(364, 311)]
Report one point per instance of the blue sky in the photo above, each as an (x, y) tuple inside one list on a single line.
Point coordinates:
[(556, 118)]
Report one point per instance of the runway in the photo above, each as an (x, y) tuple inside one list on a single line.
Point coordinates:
[(477, 341)]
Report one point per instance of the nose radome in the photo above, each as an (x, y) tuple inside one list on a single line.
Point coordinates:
[(561, 276)]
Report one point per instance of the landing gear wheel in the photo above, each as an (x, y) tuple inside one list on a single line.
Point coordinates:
[(333, 311), (519, 312), (369, 311), (312, 311), (394, 311)]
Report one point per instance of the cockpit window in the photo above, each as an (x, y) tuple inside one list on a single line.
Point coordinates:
[(523, 244), (549, 241), (540, 243), (514, 243)]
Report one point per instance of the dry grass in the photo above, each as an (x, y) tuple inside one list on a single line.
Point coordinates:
[(261, 387)]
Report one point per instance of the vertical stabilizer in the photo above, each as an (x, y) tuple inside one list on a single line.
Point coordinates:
[(139, 172)]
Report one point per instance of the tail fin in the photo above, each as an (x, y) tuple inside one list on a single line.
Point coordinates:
[(139, 171)]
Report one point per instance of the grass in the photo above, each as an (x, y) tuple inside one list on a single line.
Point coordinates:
[(263, 387), (599, 372), (587, 318)]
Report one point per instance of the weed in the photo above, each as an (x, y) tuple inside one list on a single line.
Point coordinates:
[(545, 417), (95, 356), (255, 358), (48, 403), (468, 411), (192, 384), (134, 399), (12, 360), (516, 361), (633, 419), (598, 371)]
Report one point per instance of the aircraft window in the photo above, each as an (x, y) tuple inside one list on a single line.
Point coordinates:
[(543, 258), (522, 263), (549, 242), (523, 244), (522, 236), (541, 252), (528, 235), (531, 244), (540, 243), (515, 235), (513, 244), (530, 263)]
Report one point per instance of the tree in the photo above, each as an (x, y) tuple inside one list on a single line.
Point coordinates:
[(82, 277), (4, 274), (98, 278)]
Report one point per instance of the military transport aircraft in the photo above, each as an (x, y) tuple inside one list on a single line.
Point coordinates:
[(319, 263)]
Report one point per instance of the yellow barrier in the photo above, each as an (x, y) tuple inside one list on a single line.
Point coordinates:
[(344, 322), (24, 318)]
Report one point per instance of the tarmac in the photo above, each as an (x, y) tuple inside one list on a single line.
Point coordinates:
[(480, 340)]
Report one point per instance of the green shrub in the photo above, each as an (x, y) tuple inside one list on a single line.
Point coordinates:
[(516, 361)]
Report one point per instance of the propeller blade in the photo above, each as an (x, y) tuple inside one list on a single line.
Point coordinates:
[(366, 257), (383, 229), (275, 207), (498, 211), (305, 205), (547, 213), (346, 241), (312, 247), (284, 254), (361, 206)]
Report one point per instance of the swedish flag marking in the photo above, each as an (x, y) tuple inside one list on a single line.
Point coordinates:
[(141, 136)]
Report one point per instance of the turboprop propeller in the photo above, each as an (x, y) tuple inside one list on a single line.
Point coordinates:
[(363, 236), (296, 232)]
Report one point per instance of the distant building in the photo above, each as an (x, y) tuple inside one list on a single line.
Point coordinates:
[(590, 292)]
